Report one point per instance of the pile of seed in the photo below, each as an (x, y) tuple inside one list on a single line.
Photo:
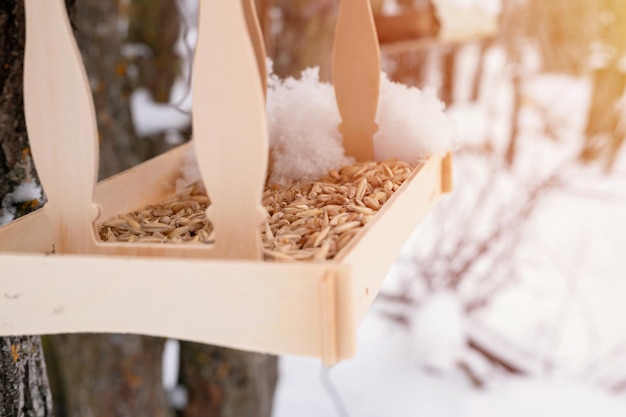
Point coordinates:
[(179, 219), (307, 221)]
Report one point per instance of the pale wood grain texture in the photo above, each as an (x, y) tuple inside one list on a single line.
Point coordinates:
[(329, 318), (356, 77), (230, 129), (269, 307), (32, 233), (61, 124)]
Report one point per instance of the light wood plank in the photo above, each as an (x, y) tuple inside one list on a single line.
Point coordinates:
[(147, 183), (31, 233), (266, 307), (229, 127)]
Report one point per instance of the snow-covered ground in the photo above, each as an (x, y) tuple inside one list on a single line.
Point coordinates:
[(567, 310), (383, 381)]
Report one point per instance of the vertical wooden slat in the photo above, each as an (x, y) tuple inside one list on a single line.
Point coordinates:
[(61, 124), (356, 77), (229, 128)]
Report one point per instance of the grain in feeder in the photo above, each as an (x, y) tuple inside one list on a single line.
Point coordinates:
[(61, 276)]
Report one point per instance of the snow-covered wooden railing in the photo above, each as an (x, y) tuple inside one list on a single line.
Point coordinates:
[(59, 277)]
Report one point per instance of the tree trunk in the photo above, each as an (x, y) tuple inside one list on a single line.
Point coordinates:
[(156, 25), (604, 137), (448, 67), (24, 387), (16, 165), (24, 390), (107, 375), (605, 128), (223, 382), (306, 38), (100, 42)]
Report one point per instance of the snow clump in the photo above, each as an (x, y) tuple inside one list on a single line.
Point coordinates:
[(26, 191), (302, 118), (412, 124)]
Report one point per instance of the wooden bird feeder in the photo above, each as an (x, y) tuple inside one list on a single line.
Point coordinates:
[(59, 277)]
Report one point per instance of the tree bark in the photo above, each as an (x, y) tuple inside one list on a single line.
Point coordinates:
[(24, 390), (107, 375), (306, 38), (156, 25), (16, 164), (224, 382), (100, 39)]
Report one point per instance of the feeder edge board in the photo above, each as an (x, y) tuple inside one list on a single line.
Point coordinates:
[(372, 253), (133, 189), (267, 307)]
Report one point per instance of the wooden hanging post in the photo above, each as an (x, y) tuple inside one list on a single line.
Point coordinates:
[(356, 77), (230, 133)]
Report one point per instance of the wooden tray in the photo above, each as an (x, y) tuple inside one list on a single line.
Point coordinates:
[(59, 278)]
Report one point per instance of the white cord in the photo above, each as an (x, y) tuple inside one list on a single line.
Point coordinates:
[(332, 392)]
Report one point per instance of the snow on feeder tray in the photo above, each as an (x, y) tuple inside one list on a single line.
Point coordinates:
[(60, 277)]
